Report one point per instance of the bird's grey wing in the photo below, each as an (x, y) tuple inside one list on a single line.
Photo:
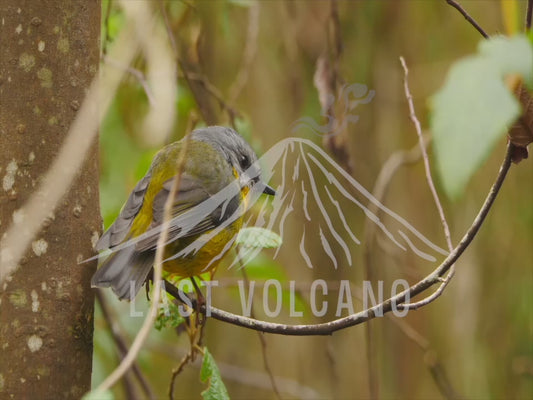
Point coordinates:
[(191, 215), (118, 231)]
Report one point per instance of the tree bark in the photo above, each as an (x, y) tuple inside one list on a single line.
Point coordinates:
[(49, 53)]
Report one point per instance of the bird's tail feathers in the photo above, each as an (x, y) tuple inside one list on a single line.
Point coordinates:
[(124, 271)]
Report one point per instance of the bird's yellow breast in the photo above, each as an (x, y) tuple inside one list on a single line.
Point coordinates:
[(211, 252)]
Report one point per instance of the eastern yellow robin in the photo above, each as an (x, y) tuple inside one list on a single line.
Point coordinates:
[(218, 171)]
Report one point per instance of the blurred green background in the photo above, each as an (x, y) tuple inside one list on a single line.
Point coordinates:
[(480, 330)]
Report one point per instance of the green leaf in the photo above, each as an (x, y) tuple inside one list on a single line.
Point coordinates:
[(211, 374), (258, 237), (168, 317), (509, 55), (474, 108)]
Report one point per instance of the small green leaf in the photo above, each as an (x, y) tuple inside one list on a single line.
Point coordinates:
[(258, 237), (168, 317), (116, 22), (474, 108), (211, 374)]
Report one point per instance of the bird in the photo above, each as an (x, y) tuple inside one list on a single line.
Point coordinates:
[(217, 173)]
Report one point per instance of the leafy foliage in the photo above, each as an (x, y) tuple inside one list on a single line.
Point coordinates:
[(474, 109), (168, 317), (211, 374)]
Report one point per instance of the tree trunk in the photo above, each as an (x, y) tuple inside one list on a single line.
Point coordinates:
[(49, 55)]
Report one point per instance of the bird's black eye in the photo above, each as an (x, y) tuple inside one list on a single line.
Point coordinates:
[(244, 161)]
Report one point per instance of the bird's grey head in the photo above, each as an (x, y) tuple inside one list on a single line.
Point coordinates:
[(236, 150)]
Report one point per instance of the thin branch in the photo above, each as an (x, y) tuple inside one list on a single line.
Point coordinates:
[(472, 21), (137, 11), (187, 358), (170, 35), (335, 42), (143, 333), (386, 173), (203, 80), (243, 375), (212, 90), (130, 389), (160, 73), (136, 73), (431, 185), (371, 360), (529, 14), (430, 358), (120, 342), (262, 339), (433, 296), (389, 169), (355, 319), (195, 329), (250, 50)]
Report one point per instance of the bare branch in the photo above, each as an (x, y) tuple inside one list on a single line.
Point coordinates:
[(431, 185), (212, 90), (136, 73), (241, 375), (187, 358), (433, 296), (430, 358), (120, 342), (390, 167), (472, 21), (160, 74), (261, 339), (250, 50), (191, 78)]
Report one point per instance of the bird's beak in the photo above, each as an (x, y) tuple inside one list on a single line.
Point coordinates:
[(268, 190)]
